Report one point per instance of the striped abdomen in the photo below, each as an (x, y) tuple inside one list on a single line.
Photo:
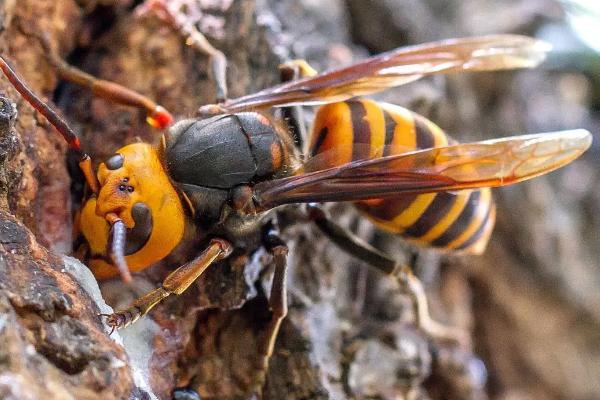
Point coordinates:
[(360, 129)]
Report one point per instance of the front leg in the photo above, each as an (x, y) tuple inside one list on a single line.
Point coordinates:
[(175, 283), (265, 343)]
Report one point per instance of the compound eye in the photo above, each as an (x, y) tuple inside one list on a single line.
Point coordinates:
[(114, 162)]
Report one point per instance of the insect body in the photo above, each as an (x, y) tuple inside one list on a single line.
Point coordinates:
[(221, 154), (460, 220), (200, 166), (213, 180)]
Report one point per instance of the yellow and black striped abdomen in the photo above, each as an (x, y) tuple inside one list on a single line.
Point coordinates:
[(360, 129)]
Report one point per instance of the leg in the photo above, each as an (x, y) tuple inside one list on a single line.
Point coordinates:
[(291, 71), (157, 116), (410, 284), (278, 309), (185, 25), (277, 303), (351, 243), (175, 283)]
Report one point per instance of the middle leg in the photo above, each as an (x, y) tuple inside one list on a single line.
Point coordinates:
[(277, 304), (157, 115)]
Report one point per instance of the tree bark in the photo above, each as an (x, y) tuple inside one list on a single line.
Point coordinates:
[(530, 303)]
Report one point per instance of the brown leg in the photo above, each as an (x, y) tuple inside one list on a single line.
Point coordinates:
[(157, 116), (175, 283), (217, 60), (277, 305), (409, 283), (184, 25)]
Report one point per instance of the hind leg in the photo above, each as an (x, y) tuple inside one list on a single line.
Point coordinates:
[(408, 282)]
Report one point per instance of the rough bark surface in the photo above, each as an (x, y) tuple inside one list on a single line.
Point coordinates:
[(530, 303)]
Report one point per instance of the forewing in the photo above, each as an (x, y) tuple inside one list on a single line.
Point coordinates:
[(488, 163), (400, 66)]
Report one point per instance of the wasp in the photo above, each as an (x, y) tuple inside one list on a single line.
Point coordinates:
[(216, 179)]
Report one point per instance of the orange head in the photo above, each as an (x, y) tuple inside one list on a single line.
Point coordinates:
[(135, 190)]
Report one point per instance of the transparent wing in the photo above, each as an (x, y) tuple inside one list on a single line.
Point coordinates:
[(488, 163), (400, 66)]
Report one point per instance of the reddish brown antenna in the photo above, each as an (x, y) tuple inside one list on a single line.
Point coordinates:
[(52, 116)]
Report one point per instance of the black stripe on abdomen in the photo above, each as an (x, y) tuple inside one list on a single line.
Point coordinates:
[(389, 208), (390, 128), (463, 220), (424, 137), (361, 130), (320, 140), (436, 211), (477, 234)]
